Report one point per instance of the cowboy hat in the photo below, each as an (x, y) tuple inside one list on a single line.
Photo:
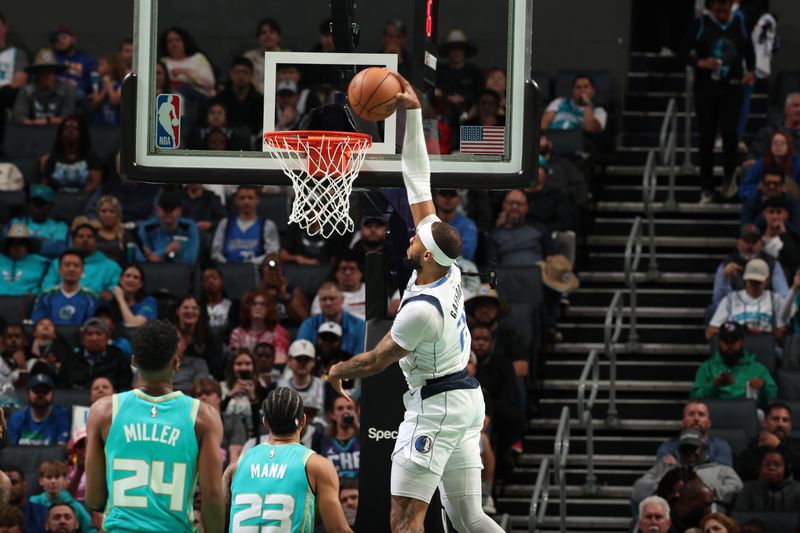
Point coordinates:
[(557, 274), (18, 233), (46, 58), (458, 38), (486, 293)]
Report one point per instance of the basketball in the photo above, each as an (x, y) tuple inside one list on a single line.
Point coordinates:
[(371, 94)]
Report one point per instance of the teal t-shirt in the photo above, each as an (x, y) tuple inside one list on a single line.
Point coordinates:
[(270, 490), (151, 463)]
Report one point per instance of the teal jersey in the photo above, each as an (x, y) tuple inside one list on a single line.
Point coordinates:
[(151, 458), (270, 491)]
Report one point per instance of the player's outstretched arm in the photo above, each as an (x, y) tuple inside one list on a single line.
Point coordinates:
[(415, 165), (209, 466), (323, 477), (97, 425), (366, 364)]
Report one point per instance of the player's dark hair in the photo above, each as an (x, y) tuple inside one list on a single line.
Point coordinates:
[(447, 239), (283, 410), (241, 61), (583, 76), (71, 251), (778, 405), (271, 22), (154, 345)]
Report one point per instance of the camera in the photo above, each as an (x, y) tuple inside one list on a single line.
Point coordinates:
[(245, 374), (272, 265), (347, 419)]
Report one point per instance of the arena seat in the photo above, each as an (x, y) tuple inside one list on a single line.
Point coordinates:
[(238, 278), (521, 286), (66, 398), (28, 459), (273, 207), (734, 413), (15, 309), (794, 405), (68, 205), (166, 278), (307, 277), (736, 438), (29, 166), (29, 141), (519, 319), (602, 84), (69, 334), (773, 521), (761, 344), (105, 141), (788, 384), (566, 142)]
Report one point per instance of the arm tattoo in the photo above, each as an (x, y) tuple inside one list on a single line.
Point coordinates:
[(374, 361)]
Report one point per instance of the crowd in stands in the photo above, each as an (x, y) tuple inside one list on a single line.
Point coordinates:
[(76, 275)]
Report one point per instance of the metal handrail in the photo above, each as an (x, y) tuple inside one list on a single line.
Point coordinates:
[(540, 497), (633, 255), (505, 522), (649, 186), (560, 455), (687, 166), (612, 330), (585, 405), (668, 146)]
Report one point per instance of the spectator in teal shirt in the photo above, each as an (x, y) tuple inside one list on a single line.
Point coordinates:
[(52, 233), (169, 237), (21, 269), (100, 274)]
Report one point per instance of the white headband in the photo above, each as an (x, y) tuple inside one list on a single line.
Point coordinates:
[(426, 236)]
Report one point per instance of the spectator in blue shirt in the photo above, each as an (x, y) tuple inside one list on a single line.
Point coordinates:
[(696, 416), (170, 236), (245, 238), (52, 233), (331, 301), (42, 423), (21, 269), (447, 202), (67, 303), (80, 67), (100, 274), (132, 307)]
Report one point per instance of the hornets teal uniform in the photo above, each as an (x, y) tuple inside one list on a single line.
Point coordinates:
[(270, 491), (151, 458)]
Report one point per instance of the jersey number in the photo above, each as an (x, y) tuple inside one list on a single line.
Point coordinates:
[(280, 511), (144, 475), (462, 323)]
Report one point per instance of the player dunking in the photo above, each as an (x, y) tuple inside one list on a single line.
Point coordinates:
[(146, 447), (438, 440)]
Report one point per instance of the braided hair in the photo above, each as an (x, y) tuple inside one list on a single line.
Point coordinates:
[(283, 411)]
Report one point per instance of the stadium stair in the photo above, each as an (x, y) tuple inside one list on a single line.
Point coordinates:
[(653, 381)]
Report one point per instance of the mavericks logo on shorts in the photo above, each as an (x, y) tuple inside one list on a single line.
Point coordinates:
[(423, 444)]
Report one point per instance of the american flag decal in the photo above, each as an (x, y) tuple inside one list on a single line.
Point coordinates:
[(483, 139)]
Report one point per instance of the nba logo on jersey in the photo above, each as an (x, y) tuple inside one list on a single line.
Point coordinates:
[(168, 123)]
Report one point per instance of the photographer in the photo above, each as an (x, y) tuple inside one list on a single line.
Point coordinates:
[(290, 301), (341, 443)]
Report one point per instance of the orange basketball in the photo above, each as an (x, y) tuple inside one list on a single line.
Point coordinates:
[(372, 93)]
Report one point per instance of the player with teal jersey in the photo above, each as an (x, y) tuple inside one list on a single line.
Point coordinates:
[(147, 447), (276, 485)]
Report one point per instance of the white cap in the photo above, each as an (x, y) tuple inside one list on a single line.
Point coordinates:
[(302, 348), (330, 327), (286, 86)]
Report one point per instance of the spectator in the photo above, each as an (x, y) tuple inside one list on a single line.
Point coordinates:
[(42, 423), (131, 305), (331, 300), (733, 373), (71, 165), (189, 70), (348, 497), (728, 277), (780, 154), (696, 417), (487, 110), (268, 375), (299, 247), (654, 515), (268, 33), (222, 311), (447, 203), (328, 347), (562, 174), (21, 268), (289, 109), (247, 237), (125, 56), (217, 119), (781, 240), (234, 431), (775, 490), (756, 309), (258, 322), (549, 208), (47, 348), (290, 300), (15, 355), (243, 98), (18, 496), (302, 359), (47, 99), (721, 73), (513, 242), (52, 233), (341, 443), (62, 518), (393, 41), (349, 275), (170, 237), (79, 66), (68, 302), (113, 240), (95, 357), (692, 451), (495, 79), (201, 205), (240, 389), (76, 470), (459, 81), (790, 126), (117, 339), (54, 500), (13, 74), (322, 74), (772, 185), (100, 274), (557, 282), (106, 92), (163, 81), (192, 323), (776, 430), (578, 112), (138, 200), (719, 523)]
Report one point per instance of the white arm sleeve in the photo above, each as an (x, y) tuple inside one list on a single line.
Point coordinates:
[(416, 322), (415, 166)]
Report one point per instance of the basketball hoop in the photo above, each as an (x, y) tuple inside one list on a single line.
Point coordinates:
[(322, 166)]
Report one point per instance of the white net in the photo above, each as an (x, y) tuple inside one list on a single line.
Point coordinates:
[(322, 167)]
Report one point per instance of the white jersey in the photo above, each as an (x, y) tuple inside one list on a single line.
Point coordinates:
[(432, 325)]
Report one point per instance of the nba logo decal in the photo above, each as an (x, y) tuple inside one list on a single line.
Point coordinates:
[(423, 444), (168, 120)]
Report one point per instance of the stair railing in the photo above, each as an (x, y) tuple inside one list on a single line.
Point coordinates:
[(649, 186), (668, 147), (633, 254), (505, 522), (540, 497), (687, 166), (557, 467), (612, 331), (587, 394)]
